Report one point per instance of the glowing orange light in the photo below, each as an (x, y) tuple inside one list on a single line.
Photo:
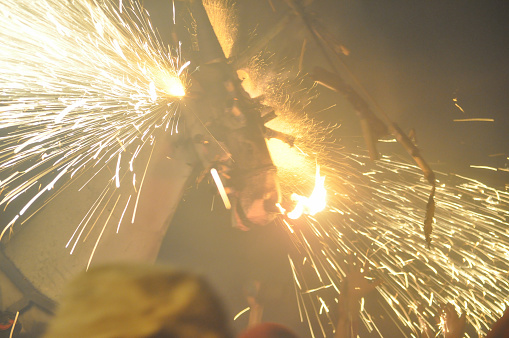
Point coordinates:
[(175, 87), (312, 204)]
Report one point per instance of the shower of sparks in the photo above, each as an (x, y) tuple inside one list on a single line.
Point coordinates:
[(375, 211), (483, 167), (455, 100), (83, 88)]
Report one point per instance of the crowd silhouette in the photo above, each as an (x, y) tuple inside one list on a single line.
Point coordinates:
[(150, 301)]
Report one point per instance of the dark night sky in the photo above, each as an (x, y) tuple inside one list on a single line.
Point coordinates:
[(413, 58)]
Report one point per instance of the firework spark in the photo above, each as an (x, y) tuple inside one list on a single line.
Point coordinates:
[(375, 211), (83, 86), (220, 188)]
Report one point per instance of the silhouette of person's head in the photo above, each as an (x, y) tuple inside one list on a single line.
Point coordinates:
[(127, 300)]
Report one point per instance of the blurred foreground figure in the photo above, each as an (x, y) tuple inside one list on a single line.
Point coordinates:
[(138, 301)]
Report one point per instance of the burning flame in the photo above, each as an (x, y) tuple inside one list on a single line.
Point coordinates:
[(312, 204)]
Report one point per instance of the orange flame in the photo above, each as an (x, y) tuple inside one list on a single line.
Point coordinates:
[(312, 204)]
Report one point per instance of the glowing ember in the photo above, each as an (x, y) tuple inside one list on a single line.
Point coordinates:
[(312, 204)]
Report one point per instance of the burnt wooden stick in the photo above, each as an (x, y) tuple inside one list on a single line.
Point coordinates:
[(369, 139), (430, 213), (372, 127), (410, 147)]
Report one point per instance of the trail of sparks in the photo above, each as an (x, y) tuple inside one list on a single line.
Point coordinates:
[(220, 188), (375, 211), (474, 120), (82, 86), (14, 324)]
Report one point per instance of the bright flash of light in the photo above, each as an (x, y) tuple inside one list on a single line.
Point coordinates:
[(312, 204), (174, 87), (83, 88)]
